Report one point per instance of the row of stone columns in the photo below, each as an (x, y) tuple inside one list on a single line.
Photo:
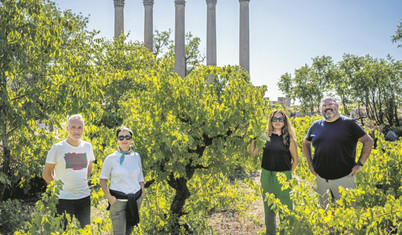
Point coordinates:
[(180, 63), (148, 21)]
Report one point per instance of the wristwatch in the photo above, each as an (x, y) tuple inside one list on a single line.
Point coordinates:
[(359, 163)]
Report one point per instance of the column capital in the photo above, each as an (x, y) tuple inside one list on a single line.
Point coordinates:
[(180, 2), (148, 2), (119, 3), (212, 1)]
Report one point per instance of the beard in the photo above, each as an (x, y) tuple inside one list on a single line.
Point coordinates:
[(329, 115)]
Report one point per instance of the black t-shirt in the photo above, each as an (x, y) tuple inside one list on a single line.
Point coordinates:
[(334, 146), (276, 156)]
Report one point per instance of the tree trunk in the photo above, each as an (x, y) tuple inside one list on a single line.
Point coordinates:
[(345, 108), (361, 119), (396, 115), (390, 110), (179, 200), (374, 108), (6, 161)]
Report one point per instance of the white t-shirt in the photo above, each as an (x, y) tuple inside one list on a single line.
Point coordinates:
[(71, 168), (126, 177)]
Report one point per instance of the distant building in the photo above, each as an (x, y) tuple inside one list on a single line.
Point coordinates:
[(284, 101)]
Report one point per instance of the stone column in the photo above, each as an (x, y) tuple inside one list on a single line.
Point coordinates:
[(244, 46), (211, 32), (179, 50), (118, 17), (148, 24)]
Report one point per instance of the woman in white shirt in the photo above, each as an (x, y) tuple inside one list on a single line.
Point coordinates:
[(126, 191)]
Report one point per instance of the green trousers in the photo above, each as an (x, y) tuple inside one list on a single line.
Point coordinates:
[(270, 184)]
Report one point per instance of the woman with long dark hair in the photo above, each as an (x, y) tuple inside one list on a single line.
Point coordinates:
[(279, 155)]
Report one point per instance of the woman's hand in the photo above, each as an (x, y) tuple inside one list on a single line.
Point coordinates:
[(142, 189), (253, 148), (112, 200)]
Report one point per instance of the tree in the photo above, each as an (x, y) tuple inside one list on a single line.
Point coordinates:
[(322, 72), (43, 54), (304, 86), (162, 43), (188, 127), (383, 76), (285, 85), (113, 60), (395, 94), (164, 48), (347, 73), (398, 34), (193, 56), (372, 83), (365, 81), (309, 83)]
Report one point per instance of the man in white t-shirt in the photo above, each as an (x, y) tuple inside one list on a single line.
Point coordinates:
[(70, 161)]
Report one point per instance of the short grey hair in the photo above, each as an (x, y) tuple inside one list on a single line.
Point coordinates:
[(329, 97), (75, 116)]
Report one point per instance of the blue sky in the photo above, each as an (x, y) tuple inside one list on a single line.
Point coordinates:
[(284, 34)]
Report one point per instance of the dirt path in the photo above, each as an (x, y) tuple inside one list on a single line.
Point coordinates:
[(229, 222)]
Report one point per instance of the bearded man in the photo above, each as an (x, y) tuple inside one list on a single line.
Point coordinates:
[(334, 138)]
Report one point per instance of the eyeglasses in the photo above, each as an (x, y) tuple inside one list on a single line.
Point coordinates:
[(280, 119), (122, 137)]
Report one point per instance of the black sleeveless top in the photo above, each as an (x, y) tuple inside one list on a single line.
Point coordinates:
[(276, 156)]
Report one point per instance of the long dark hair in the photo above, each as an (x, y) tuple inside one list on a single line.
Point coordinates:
[(287, 131)]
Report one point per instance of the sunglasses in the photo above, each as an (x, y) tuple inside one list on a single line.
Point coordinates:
[(280, 119), (122, 137)]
